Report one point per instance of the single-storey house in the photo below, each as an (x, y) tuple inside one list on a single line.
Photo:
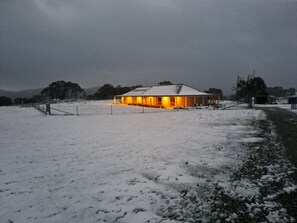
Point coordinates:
[(167, 96)]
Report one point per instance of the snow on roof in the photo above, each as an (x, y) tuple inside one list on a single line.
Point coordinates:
[(166, 90)]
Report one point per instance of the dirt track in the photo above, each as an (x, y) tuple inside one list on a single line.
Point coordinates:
[(286, 127), (274, 156)]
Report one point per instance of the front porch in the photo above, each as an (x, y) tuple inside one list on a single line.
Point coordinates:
[(168, 102)]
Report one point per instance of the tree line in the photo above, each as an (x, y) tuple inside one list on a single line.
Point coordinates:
[(280, 91), (256, 86), (244, 90), (68, 91)]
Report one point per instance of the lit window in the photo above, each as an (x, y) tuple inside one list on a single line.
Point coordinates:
[(139, 100), (172, 101), (159, 101), (150, 100)]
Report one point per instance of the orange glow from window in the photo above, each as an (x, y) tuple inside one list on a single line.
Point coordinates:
[(139, 100), (150, 100), (165, 102), (165, 99)]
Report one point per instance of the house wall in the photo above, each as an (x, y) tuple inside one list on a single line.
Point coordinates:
[(201, 100), (190, 101), (180, 102), (215, 98), (169, 102), (151, 101)]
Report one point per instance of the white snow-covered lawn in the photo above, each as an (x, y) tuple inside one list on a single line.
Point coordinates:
[(114, 168), (103, 107)]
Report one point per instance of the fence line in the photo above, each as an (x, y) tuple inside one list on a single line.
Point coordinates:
[(65, 112), (95, 109), (40, 107)]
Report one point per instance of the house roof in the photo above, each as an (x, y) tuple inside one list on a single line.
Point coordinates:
[(166, 90)]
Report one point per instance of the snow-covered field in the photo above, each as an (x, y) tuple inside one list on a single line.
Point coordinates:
[(116, 168), (103, 107)]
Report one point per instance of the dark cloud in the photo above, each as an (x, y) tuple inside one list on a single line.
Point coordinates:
[(201, 43)]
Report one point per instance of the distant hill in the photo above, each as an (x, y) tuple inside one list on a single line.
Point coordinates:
[(280, 91), (23, 94), (31, 92), (91, 91)]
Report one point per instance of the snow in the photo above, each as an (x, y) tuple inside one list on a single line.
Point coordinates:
[(103, 107), (167, 90), (120, 167), (290, 189), (285, 106), (259, 115)]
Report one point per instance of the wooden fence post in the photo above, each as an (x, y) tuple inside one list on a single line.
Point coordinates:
[(48, 109)]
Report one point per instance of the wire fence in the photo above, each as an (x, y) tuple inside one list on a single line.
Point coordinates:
[(108, 108), (40, 107), (94, 109)]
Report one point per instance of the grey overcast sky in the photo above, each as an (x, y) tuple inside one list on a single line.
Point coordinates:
[(202, 43)]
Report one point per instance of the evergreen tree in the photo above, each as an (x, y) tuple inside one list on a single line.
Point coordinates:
[(62, 90), (162, 83), (5, 101), (251, 87), (108, 91)]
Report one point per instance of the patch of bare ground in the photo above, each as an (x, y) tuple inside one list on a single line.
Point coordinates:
[(268, 173), (285, 123), (263, 189)]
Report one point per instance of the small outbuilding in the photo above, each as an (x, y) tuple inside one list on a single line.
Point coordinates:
[(293, 101), (265, 99), (167, 96)]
